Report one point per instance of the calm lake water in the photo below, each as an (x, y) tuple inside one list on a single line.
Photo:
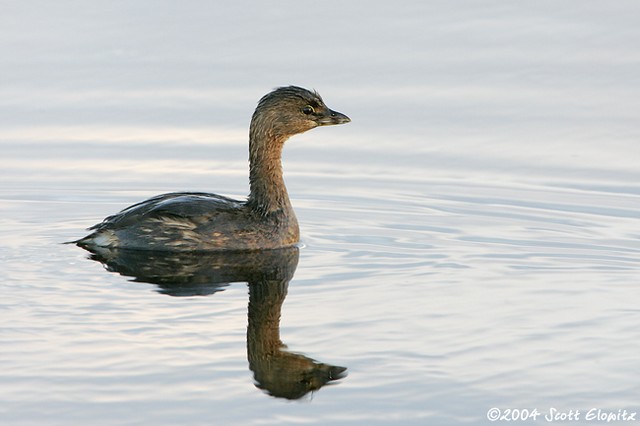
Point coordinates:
[(471, 240)]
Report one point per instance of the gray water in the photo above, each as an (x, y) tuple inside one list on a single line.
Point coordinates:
[(471, 240)]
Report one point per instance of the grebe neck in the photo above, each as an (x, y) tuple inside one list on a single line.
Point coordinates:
[(268, 192)]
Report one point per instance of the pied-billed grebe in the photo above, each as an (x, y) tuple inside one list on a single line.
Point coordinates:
[(190, 221)]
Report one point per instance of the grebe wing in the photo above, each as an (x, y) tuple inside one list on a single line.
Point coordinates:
[(177, 204)]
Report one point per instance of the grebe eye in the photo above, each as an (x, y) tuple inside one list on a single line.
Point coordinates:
[(308, 110)]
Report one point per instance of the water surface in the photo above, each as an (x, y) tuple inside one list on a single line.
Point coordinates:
[(471, 240)]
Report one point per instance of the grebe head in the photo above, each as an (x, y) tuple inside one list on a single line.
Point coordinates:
[(291, 110)]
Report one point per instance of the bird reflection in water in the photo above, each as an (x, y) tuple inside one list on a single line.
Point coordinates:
[(281, 373)]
